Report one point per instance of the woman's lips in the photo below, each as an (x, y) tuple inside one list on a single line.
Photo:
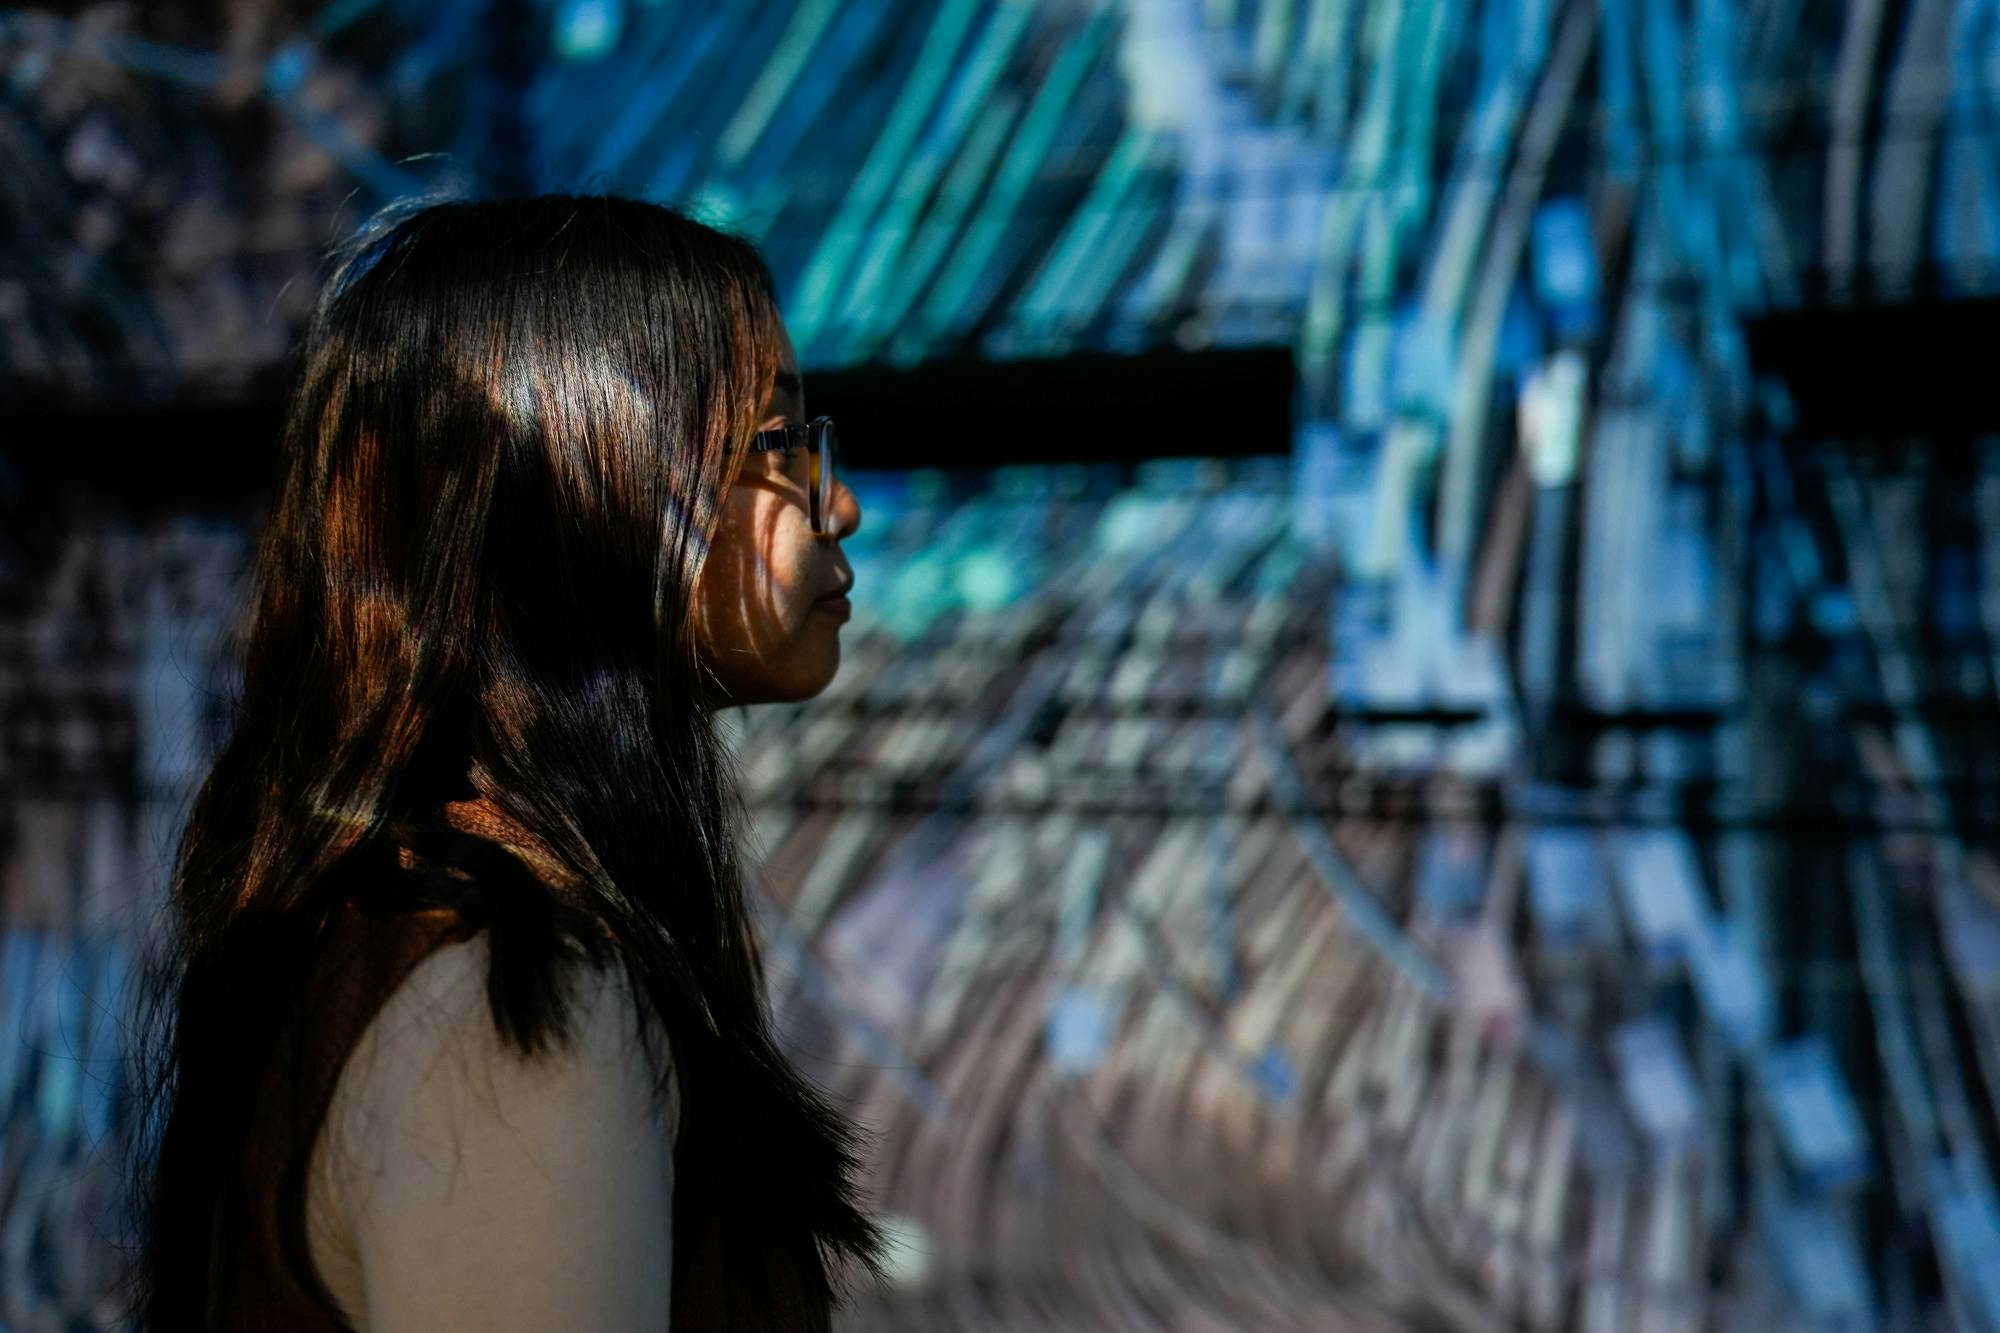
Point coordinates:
[(836, 606)]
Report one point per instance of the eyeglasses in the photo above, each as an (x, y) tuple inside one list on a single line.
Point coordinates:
[(817, 437)]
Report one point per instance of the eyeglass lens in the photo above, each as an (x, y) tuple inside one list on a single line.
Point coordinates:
[(821, 482)]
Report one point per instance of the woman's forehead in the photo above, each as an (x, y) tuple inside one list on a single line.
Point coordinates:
[(787, 397)]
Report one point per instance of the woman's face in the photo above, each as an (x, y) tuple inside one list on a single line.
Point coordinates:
[(765, 626)]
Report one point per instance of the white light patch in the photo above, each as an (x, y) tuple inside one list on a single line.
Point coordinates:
[(588, 29), (908, 1260)]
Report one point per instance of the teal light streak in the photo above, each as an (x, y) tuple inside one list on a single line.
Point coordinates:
[(1276, 20), (829, 263), (940, 226), (642, 112), (1429, 62), (1052, 291), (774, 81), (1326, 306), (1164, 282), (919, 178), (1110, 260), (1332, 58), (945, 308)]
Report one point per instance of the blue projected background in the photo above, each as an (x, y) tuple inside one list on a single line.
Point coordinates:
[(1520, 855), (1401, 191)]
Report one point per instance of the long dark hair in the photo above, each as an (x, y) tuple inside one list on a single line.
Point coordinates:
[(502, 468)]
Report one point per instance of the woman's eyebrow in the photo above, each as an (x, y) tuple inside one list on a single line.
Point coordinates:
[(788, 382)]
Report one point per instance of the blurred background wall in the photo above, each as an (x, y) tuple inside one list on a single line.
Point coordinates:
[(1417, 743)]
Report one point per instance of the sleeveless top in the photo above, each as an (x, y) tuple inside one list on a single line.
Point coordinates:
[(364, 956)]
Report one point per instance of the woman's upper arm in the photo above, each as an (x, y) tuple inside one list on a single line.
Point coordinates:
[(485, 1191)]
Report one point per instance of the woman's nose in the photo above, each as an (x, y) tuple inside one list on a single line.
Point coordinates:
[(846, 509)]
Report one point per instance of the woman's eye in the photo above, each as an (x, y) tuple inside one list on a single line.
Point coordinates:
[(787, 461)]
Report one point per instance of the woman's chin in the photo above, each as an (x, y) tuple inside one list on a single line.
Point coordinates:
[(794, 687), (819, 680)]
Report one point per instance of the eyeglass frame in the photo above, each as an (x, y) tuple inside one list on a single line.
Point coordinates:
[(822, 448)]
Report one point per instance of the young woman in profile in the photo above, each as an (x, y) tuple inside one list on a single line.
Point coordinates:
[(460, 1020)]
